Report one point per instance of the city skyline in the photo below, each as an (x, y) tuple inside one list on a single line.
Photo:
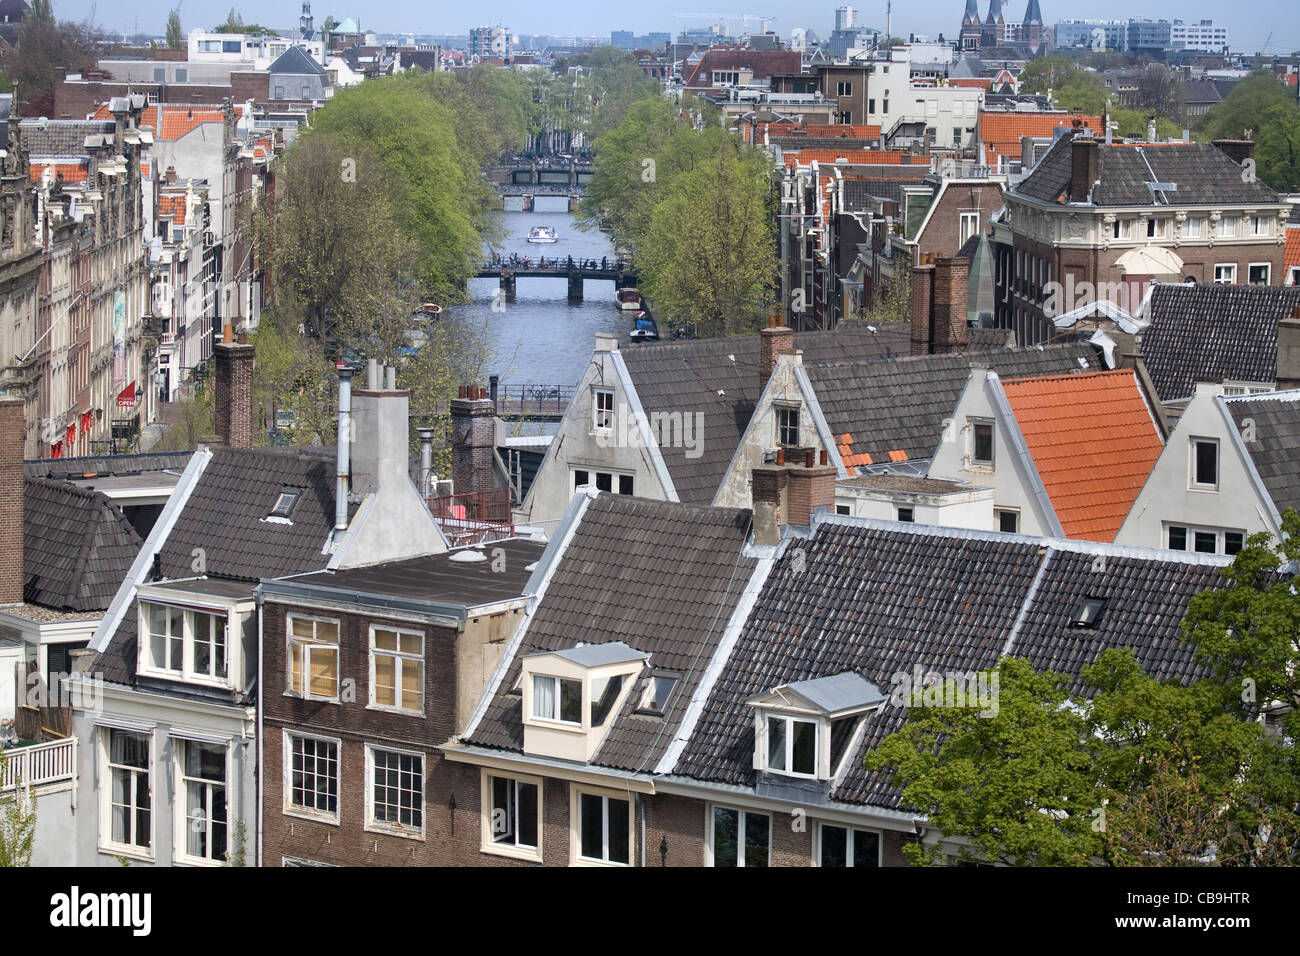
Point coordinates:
[(589, 18)]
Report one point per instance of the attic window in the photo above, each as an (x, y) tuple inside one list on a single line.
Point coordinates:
[(284, 504), (1089, 612), (659, 689)]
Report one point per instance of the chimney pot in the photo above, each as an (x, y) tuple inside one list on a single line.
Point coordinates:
[(780, 456), (823, 456)]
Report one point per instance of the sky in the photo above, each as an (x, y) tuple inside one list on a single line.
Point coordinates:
[(1281, 18)]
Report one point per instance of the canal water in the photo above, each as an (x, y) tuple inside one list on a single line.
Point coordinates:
[(540, 338)]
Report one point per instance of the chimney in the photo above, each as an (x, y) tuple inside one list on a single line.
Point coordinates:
[(811, 487), (772, 341), (1288, 350), (951, 305), (769, 497), (920, 306), (13, 429), (1151, 130), (233, 391), (606, 342), (1083, 167), (344, 448), (426, 461), (473, 432), (788, 494), (1238, 150), (170, 175)]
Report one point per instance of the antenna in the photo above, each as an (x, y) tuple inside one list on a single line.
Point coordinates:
[(889, 30)]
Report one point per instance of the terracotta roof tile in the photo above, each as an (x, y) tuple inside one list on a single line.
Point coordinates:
[(866, 157), (1292, 254), (1001, 132), (1093, 441), (173, 206), (71, 172)]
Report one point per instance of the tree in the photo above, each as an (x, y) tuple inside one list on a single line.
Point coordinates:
[(43, 45), (17, 822), (708, 256), (1159, 90), (893, 305), (234, 23), (175, 38), (628, 181)]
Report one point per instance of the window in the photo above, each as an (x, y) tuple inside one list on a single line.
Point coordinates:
[(956, 136), (1204, 540), (982, 443), (871, 107), (1177, 538), (603, 409), (397, 669), (604, 692), (231, 46), (884, 105), (792, 746), (130, 803), (1259, 225), (1225, 273), (931, 108), (306, 92), (845, 117), (844, 88), (1008, 520), (512, 820), (203, 782), (1257, 273), (182, 74), (1089, 612), (279, 92), (843, 509), (1155, 228), (159, 75), (847, 846), (969, 225), (285, 502), (396, 791), (1294, 277), (312, 776), (658, 691), (1227, 227), (787, 426), (739, 837), (185, 643), (555, 698), (1205, 463), (1193, 227), (603, 480), (313, 657), (604, 829), (1120, 229), (905, 514)]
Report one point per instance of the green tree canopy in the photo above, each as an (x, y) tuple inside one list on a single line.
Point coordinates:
[(175, 36)]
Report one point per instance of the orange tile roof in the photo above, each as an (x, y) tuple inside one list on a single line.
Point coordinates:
[(173, 206), (876, 157), (1291, 256), (172, 121), (971, 82), (71, 172), (824, 130), (1001, 132), (1093, 441)]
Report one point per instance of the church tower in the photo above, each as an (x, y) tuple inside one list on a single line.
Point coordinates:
[(969, 37)]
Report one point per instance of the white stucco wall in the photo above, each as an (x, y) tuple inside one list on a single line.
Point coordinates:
[(1168, 498), (972, 509)]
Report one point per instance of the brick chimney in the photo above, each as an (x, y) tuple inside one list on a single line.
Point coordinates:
[(1237, 150), (1288, 350), (13, 428), (951, 305), (233, 391), (920, 302), (473, 433), (772, 341), (1084, 167), (788, 494)]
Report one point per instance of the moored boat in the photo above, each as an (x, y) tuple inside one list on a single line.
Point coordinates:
[(644, 328), (629, 300)]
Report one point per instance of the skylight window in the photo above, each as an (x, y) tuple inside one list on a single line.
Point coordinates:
[(659, 689), (284, 503), (1089, 612)]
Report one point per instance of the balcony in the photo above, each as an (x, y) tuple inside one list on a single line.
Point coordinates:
[(39, 765), (475, 517)]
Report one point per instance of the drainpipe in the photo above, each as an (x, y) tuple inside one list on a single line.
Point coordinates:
[(345, 445), (426, 459), (261, 709)]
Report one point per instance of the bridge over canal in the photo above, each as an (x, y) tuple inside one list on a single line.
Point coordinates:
[(620, 273)]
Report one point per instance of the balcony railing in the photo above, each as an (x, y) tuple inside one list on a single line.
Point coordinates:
[(474, 517), (40, 764)]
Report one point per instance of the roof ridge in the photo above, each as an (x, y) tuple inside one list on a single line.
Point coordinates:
[(1070, 376)]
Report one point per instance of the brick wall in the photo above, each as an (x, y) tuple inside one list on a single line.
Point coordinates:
[(771, 343), (473, 436), (232, 406), (12, 432), (810, 488), (355, 724)]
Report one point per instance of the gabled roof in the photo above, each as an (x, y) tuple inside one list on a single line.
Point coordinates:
[(1094, 442), (1291, 254), (98, 466), (893, 409), (296, 62), (662, 579), (1204, 175), (1001, 132), (1272, 441), (881, 598), (1213, 332), (833, 695), (77, 547), (719, 379)]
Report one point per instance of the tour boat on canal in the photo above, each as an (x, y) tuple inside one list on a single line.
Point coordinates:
[(629, 300), (542, 234)]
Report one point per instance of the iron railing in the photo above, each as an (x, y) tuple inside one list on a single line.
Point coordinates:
[(474, 517)]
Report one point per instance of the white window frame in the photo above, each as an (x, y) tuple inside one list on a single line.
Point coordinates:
[(991, 461), (382, 826), (848, 845), (614, 476), (785, 411), (1121, 229), (220, 617), (1157, 228), (1257, 221), (1294, 277), (180, 805), (790, 719), (1220, 537), (1230, 268), (487, 843), (844, 88), (401, 660), (310, 813), (1226, 228), (1192, 483), (710, 859), (1194, 227), (106, 842), (602, 420), (968, 224), (1268, 272), (556, 698), (576, 792), (308, 648), (997, 519)]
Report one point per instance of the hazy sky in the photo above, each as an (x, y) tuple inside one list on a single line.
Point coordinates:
[(599, 17)]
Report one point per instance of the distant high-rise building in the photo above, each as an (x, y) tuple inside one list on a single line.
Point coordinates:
[(490, 43), (1099, 35), (846, 18)]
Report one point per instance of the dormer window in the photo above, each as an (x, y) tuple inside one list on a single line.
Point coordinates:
[(182, 639), (572, 697), (659, 689), (804, 729)]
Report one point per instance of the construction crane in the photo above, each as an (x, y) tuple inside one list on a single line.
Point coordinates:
[(720, 17)]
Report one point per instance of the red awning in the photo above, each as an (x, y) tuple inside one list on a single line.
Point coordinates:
[(126, 397)]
